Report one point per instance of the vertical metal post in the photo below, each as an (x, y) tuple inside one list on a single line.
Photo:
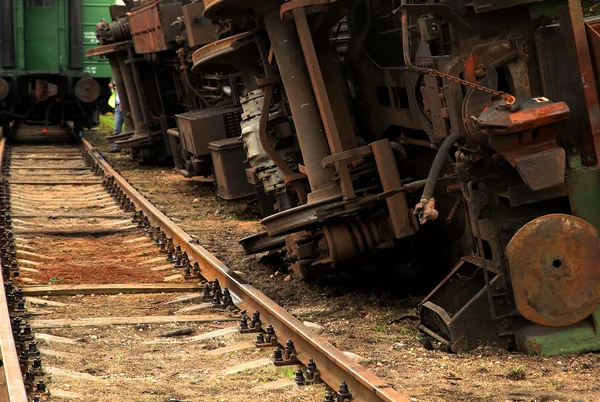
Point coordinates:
[(123, 98), (7, 34), (390, 179), (575, 24), (332, 131), (132, 95), (311, 136), (75, 34)]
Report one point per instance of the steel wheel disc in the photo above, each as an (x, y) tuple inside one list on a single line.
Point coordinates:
[(554, 266), (87, 90)]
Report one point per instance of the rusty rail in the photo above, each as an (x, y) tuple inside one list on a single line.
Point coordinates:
[(12, 387), (333, 364)]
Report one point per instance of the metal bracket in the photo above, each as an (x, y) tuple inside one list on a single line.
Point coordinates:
[(314, 6), (274, 79), (346, 156), (441, 10)]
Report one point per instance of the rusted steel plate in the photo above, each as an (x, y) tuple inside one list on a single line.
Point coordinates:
[(554, 269), (537, 113), (226, 51), (147, 30), (13, 388), (108, 49), (542, 170), (293, 4), (334, 365)]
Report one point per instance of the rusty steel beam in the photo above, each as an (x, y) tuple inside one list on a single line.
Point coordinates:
[(334, 137), (576, 26), (400, 214), (334, 365), (108, 49), (12, 387), (311, 137)]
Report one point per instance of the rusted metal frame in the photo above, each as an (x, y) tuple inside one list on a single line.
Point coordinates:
[(137, 80), (271, 152), (108, 49), (272, 79), (15, 387), (418, 143), (586, 69), (480, 249), (313, 143), (146, 29), (322, 97), (346, 156), (132, 94), (432, 334), (124, 100), (157, 83), (294, 4), (190, 87), (334, 365), (390, 179)]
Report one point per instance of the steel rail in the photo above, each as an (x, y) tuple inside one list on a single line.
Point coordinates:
[(12, 387), (332, 363)]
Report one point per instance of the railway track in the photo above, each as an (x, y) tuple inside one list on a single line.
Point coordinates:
[(90, 274)]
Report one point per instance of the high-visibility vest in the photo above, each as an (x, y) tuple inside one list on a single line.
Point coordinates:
[(112, 101)]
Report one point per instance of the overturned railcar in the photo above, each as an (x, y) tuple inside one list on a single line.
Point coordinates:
[(415, 136), (434, 133)]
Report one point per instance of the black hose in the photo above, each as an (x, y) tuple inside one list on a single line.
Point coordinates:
[(18, 116), (47, 114), (438, 164)]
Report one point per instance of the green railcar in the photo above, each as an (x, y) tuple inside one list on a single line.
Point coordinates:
[(45, 78)]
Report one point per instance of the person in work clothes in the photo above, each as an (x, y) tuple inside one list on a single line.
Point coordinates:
[(115, 103)]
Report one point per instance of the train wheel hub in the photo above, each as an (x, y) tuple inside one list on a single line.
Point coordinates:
[(554, 269)]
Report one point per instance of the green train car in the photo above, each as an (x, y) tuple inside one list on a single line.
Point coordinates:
[(45, 80)]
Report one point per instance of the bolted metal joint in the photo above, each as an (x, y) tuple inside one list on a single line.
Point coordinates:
[(269, 339), (287, 356)]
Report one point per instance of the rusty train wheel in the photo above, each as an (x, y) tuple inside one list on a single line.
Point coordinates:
[(554, 269)]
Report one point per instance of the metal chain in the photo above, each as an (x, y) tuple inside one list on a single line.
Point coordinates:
[(510, 99)]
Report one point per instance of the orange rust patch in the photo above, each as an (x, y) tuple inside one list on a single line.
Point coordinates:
[(94, 260)]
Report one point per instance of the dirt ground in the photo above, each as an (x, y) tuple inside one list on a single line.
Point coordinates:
[(359, 315), (71, 260), (113, 348), (136, 363)]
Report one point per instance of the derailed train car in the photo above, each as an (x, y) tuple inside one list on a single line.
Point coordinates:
[(415, 135), (169, 111), (44, 78)]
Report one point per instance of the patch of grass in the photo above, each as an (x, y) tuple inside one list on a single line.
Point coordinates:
[(379, 328), (107, 124), (555, 384), (288, 372), (517, 373)]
